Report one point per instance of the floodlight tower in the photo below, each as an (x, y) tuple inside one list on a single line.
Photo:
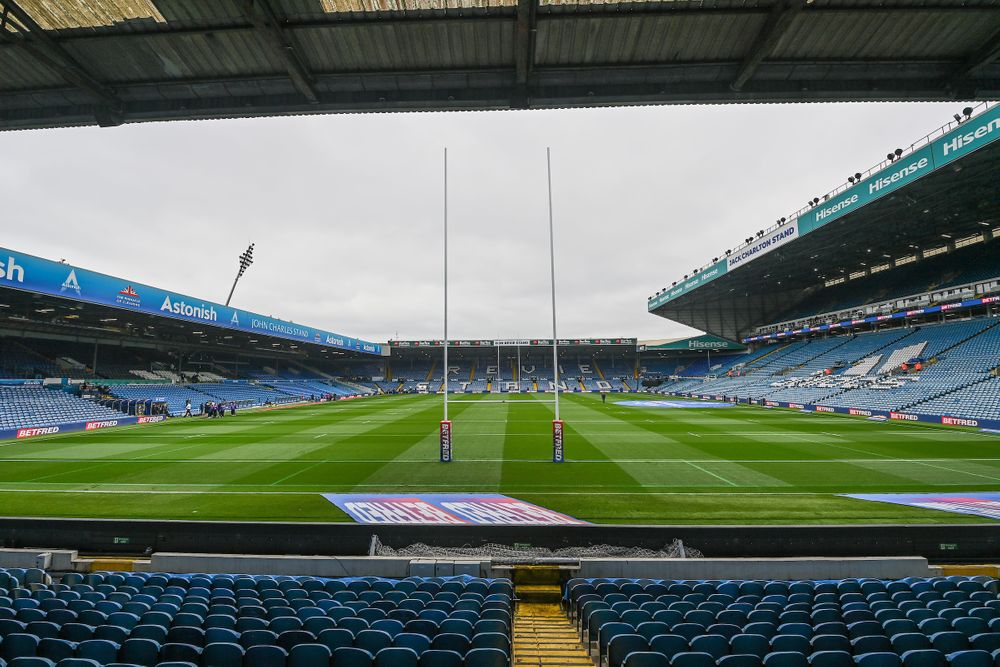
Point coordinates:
[(246, 259)]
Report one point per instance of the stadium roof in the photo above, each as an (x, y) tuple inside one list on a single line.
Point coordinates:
[(36, 292), (107, 62), (934, 194)]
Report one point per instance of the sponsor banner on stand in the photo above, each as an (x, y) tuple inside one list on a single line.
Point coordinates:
[(847, 324), (36, 431), (977, 504), (32, 432), (93, 426), (959, 421), (878, 415), (151, 419), (784, 234), (484, 509)]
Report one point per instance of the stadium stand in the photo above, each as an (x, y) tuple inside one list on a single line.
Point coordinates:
[(943, 621), (936, 369), (36, 406), (919, 284), (246, 393), (144, 619)]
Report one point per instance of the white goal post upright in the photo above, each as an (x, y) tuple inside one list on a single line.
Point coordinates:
[(446, 437), (446, 434), (558, 453)]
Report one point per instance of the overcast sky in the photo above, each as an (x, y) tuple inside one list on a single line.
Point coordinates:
[(346, 211)]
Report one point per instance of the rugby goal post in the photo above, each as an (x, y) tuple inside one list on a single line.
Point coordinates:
[(446, 433)]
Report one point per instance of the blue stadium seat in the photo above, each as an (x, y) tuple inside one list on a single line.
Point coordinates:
[(18, 645), (715, 645), (138, 651), (620, 646), (396, 657), (834, 658), (645, 659), (692, 659), (309, 655), (177, 652), (222, 654), (485, 657), (265, 656), (26, 661), (56, 649), (349, 656), (432, 658), (785, 659), (972, 658)]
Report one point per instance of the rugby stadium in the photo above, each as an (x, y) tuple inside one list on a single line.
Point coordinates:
[(811, 480)]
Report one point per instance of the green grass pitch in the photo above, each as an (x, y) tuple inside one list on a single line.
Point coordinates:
[(739, 465)]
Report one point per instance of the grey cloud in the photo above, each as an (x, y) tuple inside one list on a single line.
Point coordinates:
[(346, 210)]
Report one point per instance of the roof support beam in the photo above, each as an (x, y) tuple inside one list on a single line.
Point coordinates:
[(983, 56), (265, 21), (36, 41), (781, 16), (524, 51)]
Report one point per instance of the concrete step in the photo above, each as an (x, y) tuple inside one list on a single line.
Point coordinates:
[(543, 636)]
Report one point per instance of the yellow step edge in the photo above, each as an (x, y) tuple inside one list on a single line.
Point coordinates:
[(112, 564), (542, 634), (970, 570)]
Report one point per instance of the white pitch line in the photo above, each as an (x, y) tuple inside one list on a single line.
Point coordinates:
[(694, 434), (297, 472), (321, 435), (314, 493), (874, 458), (709, 472)]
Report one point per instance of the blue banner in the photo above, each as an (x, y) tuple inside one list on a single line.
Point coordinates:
[(33, 274), (871, 319), (987, 425), (483, 509), (977, 504), (711, 273), (971, 135), (95, 425)]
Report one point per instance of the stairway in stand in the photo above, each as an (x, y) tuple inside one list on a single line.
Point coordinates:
[(543, 636)]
